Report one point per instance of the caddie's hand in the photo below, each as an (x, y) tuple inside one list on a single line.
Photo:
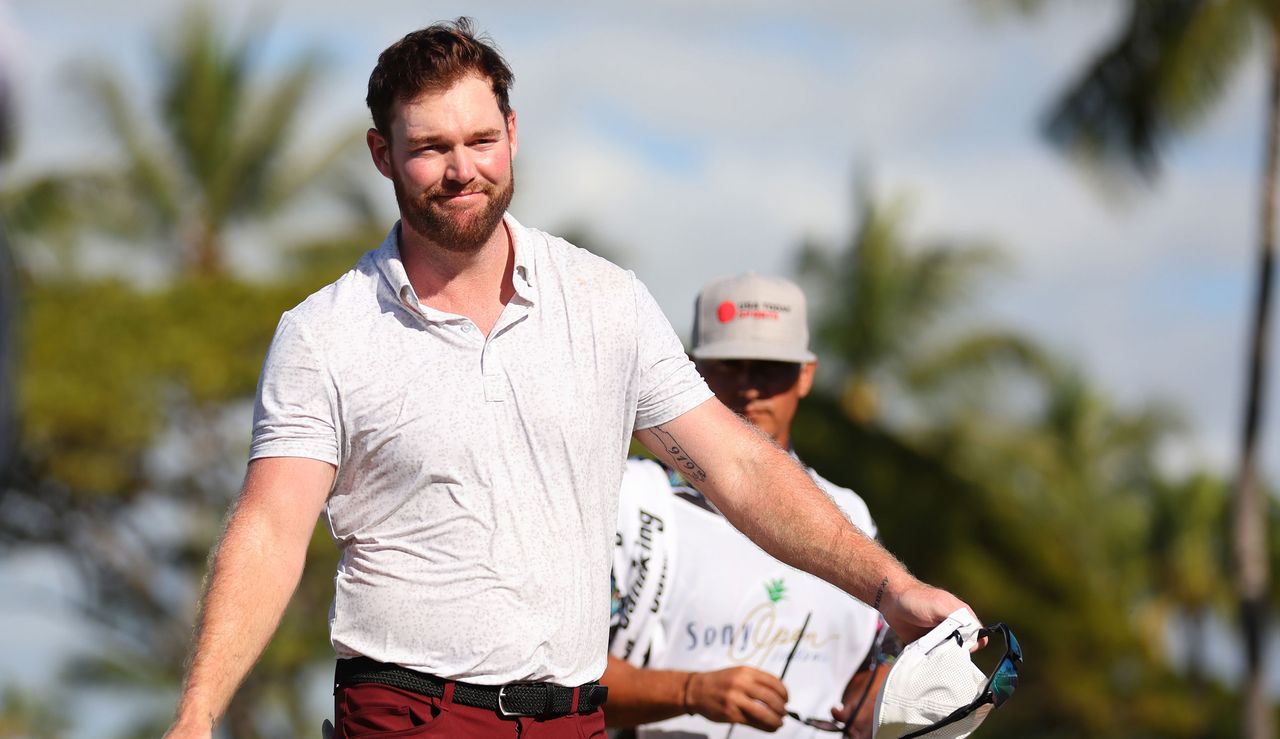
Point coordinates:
[(915, 608), (857, 689), (739, 695)]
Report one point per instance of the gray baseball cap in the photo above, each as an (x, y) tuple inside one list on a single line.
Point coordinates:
[(751, 317)]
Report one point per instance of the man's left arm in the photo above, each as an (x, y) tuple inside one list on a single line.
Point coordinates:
[(768, 496)]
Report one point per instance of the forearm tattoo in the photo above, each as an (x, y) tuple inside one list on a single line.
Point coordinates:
[(684, 463), (879, 594)]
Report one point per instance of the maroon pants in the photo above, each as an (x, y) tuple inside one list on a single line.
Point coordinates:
[(381, 711)]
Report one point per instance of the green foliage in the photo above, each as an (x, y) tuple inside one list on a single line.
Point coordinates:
[(1047, 510), (99, 390), (125, 395), (94, 383), (879, 295), (1071, 556), (885, 318), (24, 716), (1162, 73)]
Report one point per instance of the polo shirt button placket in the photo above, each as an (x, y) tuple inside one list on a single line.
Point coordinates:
[(491, 375)]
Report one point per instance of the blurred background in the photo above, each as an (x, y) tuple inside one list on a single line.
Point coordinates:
[(1033, 235)]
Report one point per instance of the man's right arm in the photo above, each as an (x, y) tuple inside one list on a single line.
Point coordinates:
[(739, 695), (769, 497), (255, 569)]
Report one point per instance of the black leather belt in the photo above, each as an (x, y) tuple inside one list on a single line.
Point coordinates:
[(512, 699)]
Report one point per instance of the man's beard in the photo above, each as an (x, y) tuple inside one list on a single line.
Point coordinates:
[(457, 231)]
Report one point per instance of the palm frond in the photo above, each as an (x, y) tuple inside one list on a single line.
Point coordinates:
[(266, 129), (46, 214), (202, 91), (1199, 68), (984, 353), (1159, 75), (323, 167), (146, 153), (884, 291), (944, 275)]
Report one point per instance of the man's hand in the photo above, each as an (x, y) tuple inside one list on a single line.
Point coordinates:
[(914, 608), (739, 695)]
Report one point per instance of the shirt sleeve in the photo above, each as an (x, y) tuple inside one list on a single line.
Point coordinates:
[(669, 385), (294, 415)]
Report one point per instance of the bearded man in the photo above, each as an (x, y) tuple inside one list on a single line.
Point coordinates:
[(459, 407)]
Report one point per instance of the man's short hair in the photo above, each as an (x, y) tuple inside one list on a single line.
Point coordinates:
[(433, 59)]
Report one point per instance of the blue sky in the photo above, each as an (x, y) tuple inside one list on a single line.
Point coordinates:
[(702, 140)]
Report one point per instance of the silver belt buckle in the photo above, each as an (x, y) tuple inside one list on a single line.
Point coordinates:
[(502, 693)]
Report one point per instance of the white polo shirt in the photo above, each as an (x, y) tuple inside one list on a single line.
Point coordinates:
[(476, 494)]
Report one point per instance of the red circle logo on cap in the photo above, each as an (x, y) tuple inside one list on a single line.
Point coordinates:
[(726, 311)]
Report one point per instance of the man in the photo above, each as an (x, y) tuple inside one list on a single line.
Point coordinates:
[(459, 406), (705, 620)]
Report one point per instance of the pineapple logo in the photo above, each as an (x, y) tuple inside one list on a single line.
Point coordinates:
[(776, 590)]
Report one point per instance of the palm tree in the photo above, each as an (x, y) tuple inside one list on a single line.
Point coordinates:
[(1070, 494), (218, 147), (882, 304), (1159, 76), (1188, 551), (1057, 532), (1041, 517), (1015, 482), (169, 363)]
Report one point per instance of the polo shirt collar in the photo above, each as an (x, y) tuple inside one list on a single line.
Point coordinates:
[(523, 275), (387, 257)]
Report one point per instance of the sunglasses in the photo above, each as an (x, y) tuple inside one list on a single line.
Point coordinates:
[(1000, 685), (880, 660), (821, 724), (769, 377)]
